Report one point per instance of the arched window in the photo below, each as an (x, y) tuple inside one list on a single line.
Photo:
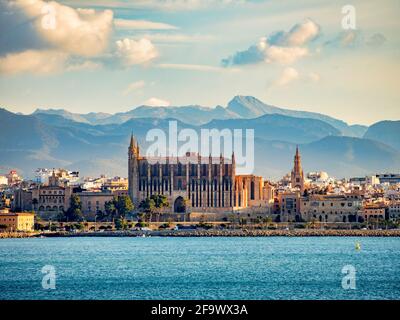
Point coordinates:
[(179, 169), (204, 169)]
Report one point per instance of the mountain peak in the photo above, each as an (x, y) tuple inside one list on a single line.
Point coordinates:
[(247, 106)]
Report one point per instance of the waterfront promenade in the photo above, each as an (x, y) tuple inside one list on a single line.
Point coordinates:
[(215, 233)]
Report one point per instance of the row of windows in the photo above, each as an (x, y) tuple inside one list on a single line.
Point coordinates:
[(336, 212), (49, 208), (52, 192), (90, 202), (181, 169), (154, 185), (51, 200), (349, 204)]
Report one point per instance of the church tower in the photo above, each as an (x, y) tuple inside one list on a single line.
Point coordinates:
[(133, 170), (297, 176)]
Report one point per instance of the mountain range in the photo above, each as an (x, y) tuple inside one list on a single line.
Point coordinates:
[(96, 143), (240, 107)]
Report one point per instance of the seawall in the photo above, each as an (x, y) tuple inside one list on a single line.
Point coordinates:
[(234, 233)]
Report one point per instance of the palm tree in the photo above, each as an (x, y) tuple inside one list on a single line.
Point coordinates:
[(147, 206), (267, 220), (311, 224), (160, 202)]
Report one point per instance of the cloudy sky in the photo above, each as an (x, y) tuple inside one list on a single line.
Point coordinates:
[(110, 56)]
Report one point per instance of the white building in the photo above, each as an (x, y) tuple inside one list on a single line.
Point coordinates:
[(3, 180), (64, 176)]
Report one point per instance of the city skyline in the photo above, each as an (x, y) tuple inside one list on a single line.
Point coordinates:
[(171, 52)]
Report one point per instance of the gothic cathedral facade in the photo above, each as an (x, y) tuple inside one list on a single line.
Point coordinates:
[(191, 182)]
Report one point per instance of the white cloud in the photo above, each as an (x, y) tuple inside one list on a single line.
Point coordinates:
[(70, 39), (82, 32), (192, 67), (134, 86), (33, 61), (284, 55), (280, 47), (142, 25), (376, 40), (85, 65), (348, 38), (164, 5), (156, 102), (132, 52), (302, 33), (178, 37), (42, 62), (288, 75)]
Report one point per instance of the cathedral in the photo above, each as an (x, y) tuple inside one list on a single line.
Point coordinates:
[(192, 182)]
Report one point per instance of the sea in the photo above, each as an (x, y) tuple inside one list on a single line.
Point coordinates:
[(239, 268)]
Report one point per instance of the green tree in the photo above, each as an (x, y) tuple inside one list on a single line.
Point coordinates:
[(147, 206), (121, 224), (74, 212), (124, 205), (267, 221), (111, 210)]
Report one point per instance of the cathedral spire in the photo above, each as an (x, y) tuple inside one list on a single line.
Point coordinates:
[(133, 147), (297, 161), (132, 144), (297, 176)]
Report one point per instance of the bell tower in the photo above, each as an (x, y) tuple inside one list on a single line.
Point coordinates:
[(297, 176), (133, 170)]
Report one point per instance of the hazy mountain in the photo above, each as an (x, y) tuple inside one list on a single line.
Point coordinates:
[(28, 142), (240, 107), (387, 132), (280, 127), (47, 140), (92, 117), (250, 107), (188, 114)]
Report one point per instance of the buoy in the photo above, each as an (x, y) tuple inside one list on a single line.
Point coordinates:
[(358, 246)]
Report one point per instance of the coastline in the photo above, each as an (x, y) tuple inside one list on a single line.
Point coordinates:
[(214, 233)]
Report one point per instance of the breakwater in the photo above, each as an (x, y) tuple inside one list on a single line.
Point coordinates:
[(234, 233), (5, 235)]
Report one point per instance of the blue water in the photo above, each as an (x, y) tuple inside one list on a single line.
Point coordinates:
[(200, 268)]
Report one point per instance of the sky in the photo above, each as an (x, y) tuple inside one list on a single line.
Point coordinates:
[(340, 58)]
